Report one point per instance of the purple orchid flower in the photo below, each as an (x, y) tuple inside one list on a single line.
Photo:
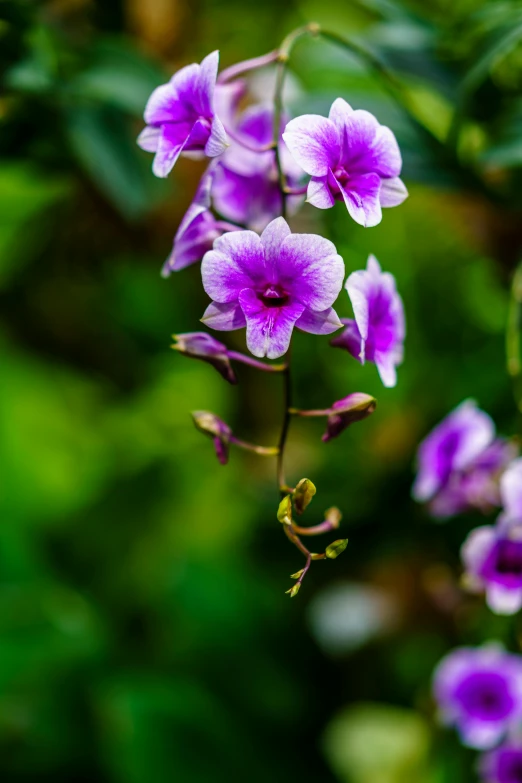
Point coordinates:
[(479, 691), (452, 446), (476, 486), (271, 284), (378, 331), (198, 229), (511, 490), (502, 765), (246, 187), (180, 117), (492, 557), (351, 158)]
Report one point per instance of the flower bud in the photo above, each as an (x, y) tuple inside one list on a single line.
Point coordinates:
[(284, 512), (333, 516), (303, 494), (217, 429), (347, 411), (200, 345), (336, 548), (294, 590)]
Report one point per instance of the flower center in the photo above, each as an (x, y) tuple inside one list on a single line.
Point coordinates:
[(273, 296), (338, 178)]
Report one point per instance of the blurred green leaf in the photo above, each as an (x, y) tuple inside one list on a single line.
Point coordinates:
[(25, 194), (378, 743), (103, 143)]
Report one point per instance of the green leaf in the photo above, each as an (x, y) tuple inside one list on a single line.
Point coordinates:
[(102, 140)]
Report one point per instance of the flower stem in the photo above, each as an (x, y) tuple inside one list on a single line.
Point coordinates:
[(513, 341), (246, 66), (241, 357), (263, 451), (287, 381), (244, 143)]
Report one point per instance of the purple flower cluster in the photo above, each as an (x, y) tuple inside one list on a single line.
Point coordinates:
[(460, 462), (273, 282), (260, 275)]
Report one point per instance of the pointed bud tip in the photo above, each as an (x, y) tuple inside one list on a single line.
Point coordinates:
[(293, 590)]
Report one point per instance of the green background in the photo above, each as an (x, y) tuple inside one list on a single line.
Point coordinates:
[(144, 631)]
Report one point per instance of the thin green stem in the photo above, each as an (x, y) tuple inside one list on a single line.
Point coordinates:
[(513, 335), (263, 451), (287, 381)]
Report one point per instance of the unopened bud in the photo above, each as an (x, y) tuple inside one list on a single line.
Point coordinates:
[(303, 494), (333, 516), (217, 429), (294, 590), (284, 512), (347, 411), (200, 345), (297, 574), (336, 548)]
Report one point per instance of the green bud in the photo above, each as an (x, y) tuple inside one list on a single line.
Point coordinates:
[(294, 590), (284, 512), (303, 494), (336, 548), (297, 574)]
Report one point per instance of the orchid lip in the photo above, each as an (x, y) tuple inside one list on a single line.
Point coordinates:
[(273, 297)]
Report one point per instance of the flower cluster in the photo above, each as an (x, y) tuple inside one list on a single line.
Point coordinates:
[(462, 466), (258, 274)]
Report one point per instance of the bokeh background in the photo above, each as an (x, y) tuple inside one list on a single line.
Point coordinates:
[(144, 632)]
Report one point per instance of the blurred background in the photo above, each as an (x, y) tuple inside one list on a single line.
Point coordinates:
[(144, 632)]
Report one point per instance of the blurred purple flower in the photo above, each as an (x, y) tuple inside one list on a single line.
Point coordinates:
[(453, 445), (180, 117), (351, 158), (511, 490), (271, 284), (479, 691), (502, 765), (378, 331), (476, 486), (246, 188), (198, 229), (200, 345), (492, 557)]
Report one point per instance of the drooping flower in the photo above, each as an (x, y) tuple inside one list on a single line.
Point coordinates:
[(492, 557), (198, 229), (453, 445), (221, 434), (342, 413), (351, 158), (180, 117), (511, 490), (378, 331), (477, 485), (503, 764), (246, 188), (479, 691), (200, 345), (270, 284)]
